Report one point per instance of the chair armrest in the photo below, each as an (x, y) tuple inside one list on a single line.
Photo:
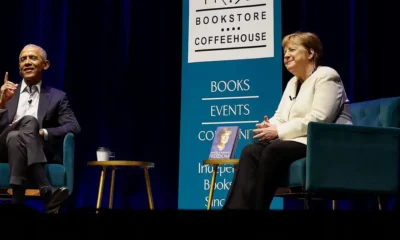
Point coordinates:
[(352, 159), (68, 160)]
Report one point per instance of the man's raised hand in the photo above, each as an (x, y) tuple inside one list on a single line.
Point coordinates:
[(7, 90)]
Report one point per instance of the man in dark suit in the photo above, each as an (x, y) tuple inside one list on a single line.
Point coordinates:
[(34, 119)]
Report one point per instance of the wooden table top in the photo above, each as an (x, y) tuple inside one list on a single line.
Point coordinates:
[(221, 161), (121, 163)]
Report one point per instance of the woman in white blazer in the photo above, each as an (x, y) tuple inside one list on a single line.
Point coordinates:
[(314, 93)]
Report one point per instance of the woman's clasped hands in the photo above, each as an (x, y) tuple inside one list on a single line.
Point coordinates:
[(265, 131)]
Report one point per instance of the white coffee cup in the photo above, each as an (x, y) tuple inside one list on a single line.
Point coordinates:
[(103, 154)]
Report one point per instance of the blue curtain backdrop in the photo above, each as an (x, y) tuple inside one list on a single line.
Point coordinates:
[(120, 63)]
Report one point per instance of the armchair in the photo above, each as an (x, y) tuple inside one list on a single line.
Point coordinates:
[(58, 174), (350, 161)]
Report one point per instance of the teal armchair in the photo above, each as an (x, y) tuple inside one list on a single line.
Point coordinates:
[(350, 161), (58, 174)]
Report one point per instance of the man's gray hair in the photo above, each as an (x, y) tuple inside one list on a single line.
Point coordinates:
[(42, 51)]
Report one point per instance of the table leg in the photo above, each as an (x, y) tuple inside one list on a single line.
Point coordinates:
[(101, 186), (211, 194), (148, 187), (110, 203)]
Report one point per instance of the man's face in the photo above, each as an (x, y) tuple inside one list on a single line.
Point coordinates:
[(31, 64)]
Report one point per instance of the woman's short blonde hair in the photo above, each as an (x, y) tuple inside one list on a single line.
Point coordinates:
[(308, 40)]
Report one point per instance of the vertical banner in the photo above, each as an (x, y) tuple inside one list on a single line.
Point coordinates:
[(231, 75)]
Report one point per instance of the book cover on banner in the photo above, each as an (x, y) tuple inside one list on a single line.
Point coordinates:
[(224, 143)]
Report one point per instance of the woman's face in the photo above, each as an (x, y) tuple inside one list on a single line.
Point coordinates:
[(296, 58), (225, 137)]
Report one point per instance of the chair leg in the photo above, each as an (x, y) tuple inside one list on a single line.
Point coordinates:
[(379, 203), (334, 205), (211, 194), (307, 202), (148, 187)]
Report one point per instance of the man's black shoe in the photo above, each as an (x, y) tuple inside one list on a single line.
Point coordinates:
[(54, 199)]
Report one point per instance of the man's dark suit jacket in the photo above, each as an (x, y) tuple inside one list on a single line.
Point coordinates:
[(54, 114)]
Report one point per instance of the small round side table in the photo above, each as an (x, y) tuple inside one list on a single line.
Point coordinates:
[(121, 163), (216, 163)]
